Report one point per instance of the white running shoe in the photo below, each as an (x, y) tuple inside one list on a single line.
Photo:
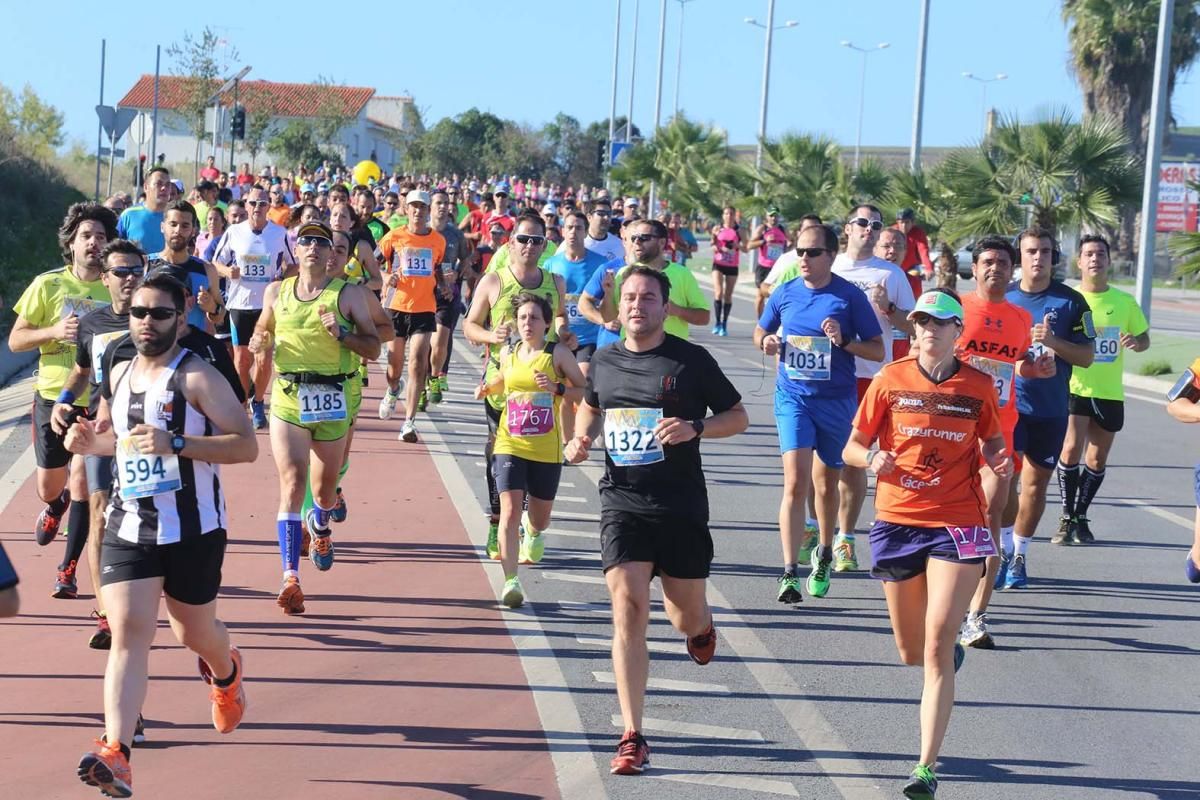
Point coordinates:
[(408, 433), (387, 404)]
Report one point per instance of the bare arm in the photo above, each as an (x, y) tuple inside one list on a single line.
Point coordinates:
[(1184, 410), (25, 336), (692, 316), (871, 349), (481, 307), (1077, 355), (370, 265), (235, 442), (363, 340)]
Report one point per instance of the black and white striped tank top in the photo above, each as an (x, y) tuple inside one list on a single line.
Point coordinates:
[(197, 507)]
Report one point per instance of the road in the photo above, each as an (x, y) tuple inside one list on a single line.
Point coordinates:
[(1089, 694)]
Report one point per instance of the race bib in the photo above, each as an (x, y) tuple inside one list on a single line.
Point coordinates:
[(530, 413), (629, 436), (1001, 373), (145, 474), (973, 542), (573, 314), (256, 267), (416, 262), (774, 251), (725, 258), (321, 402), (100, 343), (1037, 349), (807, 358), (1108, 345), (80, 306)]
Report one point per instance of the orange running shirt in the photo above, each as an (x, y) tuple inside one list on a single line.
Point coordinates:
[(995, 337), (934, 430), (415, 258)]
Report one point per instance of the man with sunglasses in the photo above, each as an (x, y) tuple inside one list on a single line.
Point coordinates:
[(279, 212), (599, 239), (824, 323)]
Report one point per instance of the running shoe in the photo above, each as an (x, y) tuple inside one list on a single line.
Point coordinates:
[(922, 784), (716, 329), (493, 542), (1083, 532), (513, 596), (321, 552), (435, 390), (291, 598), (789, 588), (633, 755), (66, 587), (46, 527), (960, 655), (387, 404), (1002, 573), (701, 648), (339, 512), (139, 731), (1190, 569), (843, 555), (812, 538), (975, 632), (533, 544), (818, 579), (107, 768), (259, 411), (229, 703), (1066, 531), (408, 432), (423, 400), (443, 384), (724, 330), (1016, 578), (102, 636)]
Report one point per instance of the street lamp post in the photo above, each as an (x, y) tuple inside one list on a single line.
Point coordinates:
[(612, 110), (679, 55), (984, 83), (862, 92), (662, 43)]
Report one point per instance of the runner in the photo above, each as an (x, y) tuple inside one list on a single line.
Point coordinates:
[(166, 521), (413, 255), (1097, 401), (491, 305), (729, 242), (649, 394), (771, 239), (824, 322), (142, 224), (48, 314), (179, 227), (787, 266), (1062, 325), (344, 218), (528, 453), (891, 247), (251, 255), (454, 266), (930, 415), (599, 239), (996, 341), (316, 329), (1182, 405)]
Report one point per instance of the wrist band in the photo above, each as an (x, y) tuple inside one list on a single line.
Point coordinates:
[(66, 396)]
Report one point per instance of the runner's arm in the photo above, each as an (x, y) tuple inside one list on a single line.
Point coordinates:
[(264, 329), (379, 317), (758, 239), (362, 340), (1184, 410), (564, 324), (590, 312), (25, 336), (1077, 355), (481, 306), (870, 349), (76, 382), (729, 422), (370, 264), (207, 390), (692, 316), (568, 367)]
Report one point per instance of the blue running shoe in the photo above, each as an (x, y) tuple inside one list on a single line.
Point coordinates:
[(320, 550), (1002, 573), (259, 412), (1016, 578), (724, 330), (339, 511), (716, 330), (1191, 570)]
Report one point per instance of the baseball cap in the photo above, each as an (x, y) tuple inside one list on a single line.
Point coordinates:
[(178, 184), (305, 188), (631, 201), (939, 305), (265, 172), (549, 208), (417, 196), (314, 228), (906, 213), (502, 188)]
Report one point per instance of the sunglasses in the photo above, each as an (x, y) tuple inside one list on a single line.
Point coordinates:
[(810, 252), (157, 313), (863, 222), (530, 239), (602, 213), (256, 203), (125, 272), (925, 320), (313, 241), (642, 238)]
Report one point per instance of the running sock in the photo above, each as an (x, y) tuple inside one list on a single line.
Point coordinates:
[(59, 504), (493, 490), (225, 683), (717, 304), (725, 313), (77, 532), (1089, 485), (1006, 539), (792, 569), (1021, 544), (321, 517), (1068, 485), (849, 537), (824, 553), (288, 528)]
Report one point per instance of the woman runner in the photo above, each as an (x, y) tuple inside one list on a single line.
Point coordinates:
[(729, 242)]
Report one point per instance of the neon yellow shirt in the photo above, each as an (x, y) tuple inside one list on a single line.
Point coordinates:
[(1114, 312)]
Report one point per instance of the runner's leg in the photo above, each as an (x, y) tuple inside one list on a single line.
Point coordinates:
[(418, 366), (825, 480), (133, 615), (97, 503), (797, 467), (511, 503), (686, 604), (629, 589), (995, 490), (198, 629)]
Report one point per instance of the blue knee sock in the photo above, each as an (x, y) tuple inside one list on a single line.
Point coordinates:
[(288, 528)]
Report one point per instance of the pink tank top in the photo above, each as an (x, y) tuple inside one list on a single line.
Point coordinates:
[(727, 254), (774, 243)]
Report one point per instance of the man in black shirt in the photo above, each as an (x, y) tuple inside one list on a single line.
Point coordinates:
[(650, 394)]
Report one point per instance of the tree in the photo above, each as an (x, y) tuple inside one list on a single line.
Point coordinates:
[(467, 144), (195, 61), (30, 125), (297, 143), (258, 125)]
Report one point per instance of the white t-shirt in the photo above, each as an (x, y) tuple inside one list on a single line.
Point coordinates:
[(610, 246), (788, 259), (867, 273), (261, 257)]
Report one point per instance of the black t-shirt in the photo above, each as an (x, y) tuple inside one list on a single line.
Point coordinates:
[(209, 348), (684, 381), (103, 340)]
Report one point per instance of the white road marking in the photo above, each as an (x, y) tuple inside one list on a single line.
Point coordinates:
[(571, 499), (1161, 513), (693, 729), (572, 577), (727, 781), (669, 685), (1146, 398), (654, 646), (15, 477), (573, 534)]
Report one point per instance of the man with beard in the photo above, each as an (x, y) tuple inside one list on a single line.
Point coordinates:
[(179, 228)]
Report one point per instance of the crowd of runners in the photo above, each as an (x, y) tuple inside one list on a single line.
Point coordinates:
[(179, 327)]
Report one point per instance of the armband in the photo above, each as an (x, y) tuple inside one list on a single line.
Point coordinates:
[(1187, 387), (66, 396)]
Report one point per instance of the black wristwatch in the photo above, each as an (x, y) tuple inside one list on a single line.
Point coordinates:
[(560, 388), (698, 424), (342, 333), (177, 444)]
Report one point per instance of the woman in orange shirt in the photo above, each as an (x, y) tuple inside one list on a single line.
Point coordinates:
[(930, 539)]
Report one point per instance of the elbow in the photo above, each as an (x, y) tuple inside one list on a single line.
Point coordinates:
[(742, 420), (247, 449)]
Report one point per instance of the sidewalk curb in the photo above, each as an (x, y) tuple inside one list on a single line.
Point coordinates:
[(1148, 384), (12, 364)]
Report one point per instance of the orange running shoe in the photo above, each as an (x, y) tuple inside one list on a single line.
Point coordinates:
[(229, 704), (305, 539), (107, 769), (291, 599)]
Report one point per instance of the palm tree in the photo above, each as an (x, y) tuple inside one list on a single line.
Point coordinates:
[(926, 193), (798, 175)]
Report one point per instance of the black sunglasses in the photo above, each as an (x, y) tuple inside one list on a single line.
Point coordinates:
[(642, 238), (811, 252), (925, 320), (600, 213), (158, 313), (125, 272), (256, 203), (310, 241), (530, 238)]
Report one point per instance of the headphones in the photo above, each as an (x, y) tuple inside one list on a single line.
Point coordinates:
[(1055, 252)]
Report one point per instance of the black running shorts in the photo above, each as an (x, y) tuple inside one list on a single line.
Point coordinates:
[(678, 546), (190, 569)]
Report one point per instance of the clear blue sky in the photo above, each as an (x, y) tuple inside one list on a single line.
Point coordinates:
[(550, 55)]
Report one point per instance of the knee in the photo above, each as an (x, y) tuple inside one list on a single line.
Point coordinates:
[(630, 614), (910, 656)]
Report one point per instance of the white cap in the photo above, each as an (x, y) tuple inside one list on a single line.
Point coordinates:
[(417, 196)]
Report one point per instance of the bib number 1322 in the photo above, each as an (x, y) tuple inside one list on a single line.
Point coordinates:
[(629, 436)]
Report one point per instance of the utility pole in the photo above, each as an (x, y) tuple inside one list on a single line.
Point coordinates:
[(612, 110), (154, 128), (914, 156), (99, 125), (662, 42), (1159, 100)]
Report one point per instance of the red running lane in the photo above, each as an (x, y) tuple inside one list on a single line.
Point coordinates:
[(400, 681)]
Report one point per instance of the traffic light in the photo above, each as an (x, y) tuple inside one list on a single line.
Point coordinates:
[(600, 148), (238, 123)]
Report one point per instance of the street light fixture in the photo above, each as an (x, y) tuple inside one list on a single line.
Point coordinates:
[(862, 91), (984, 82)]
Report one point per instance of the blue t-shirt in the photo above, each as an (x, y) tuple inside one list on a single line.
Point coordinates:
[(1070, 319), (575, 275), (816, 367), (140, 224), (604, 337)]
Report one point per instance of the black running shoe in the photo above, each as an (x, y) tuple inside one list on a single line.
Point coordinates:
[(1083, 532), (1066, 531)]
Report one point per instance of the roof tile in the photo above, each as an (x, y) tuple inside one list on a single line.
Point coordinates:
[(278, 99)]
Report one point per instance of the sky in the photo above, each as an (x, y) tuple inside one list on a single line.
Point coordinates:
[(557, 55)]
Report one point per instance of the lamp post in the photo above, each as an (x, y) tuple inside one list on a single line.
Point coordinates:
[(612, 110), (862, 92), (679, 55), (914, 155), (984, 83)]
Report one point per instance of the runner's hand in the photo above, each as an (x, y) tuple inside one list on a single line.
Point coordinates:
[(480, 392), (235, 272), (673, 430), (614, 326), (576, 450), (81, 437), (329, 320), (1043, 332), (608, 280), (150, 440), (445, 291), (770, 344), (500, 334), (882, 462), (67, 328), (543, 381), (1129, 342), (259, 342), (206, 301), (1001, 464), (392, 279), (1045, 366), (59, 417), (878, 296), (833, 329), (568, 339)]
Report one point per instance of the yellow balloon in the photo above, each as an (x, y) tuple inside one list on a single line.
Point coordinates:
[(367, 172)]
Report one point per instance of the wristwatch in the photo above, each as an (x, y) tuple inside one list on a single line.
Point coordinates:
[(342, 333), (698, 424), (177, 444), (560, 388)]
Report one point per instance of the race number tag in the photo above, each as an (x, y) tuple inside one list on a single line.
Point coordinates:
[(1108, 344), (100, 343), (573, 315), (725, 258), (629, 436), (321, 402), (1001, 373), (807, 358), (145, 474), (774, 251), (973, 542), (81, 306), (530, 413), (256, 267), (416, 262), (1037, 349)]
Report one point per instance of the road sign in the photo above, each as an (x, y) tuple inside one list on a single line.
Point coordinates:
[(115, 121), (118, 153), (1178, 202), (615, 149), (141, 128)]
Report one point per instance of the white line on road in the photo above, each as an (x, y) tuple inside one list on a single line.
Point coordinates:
[(1146, 398), (571, 577), (693, 729), (654, 646), (571, 499), (669, 685), (1161, 513), (574, 534), (727, 782)]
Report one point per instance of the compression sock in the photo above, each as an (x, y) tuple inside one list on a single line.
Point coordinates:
[(493, 490), (1068, 486), (445, 365), (725, 313), (1006, 540), (59, 504), (717, 304), (341, 473), (1089, 485), (288, 528), (77, 532), (1021, 544), (321, 518)]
